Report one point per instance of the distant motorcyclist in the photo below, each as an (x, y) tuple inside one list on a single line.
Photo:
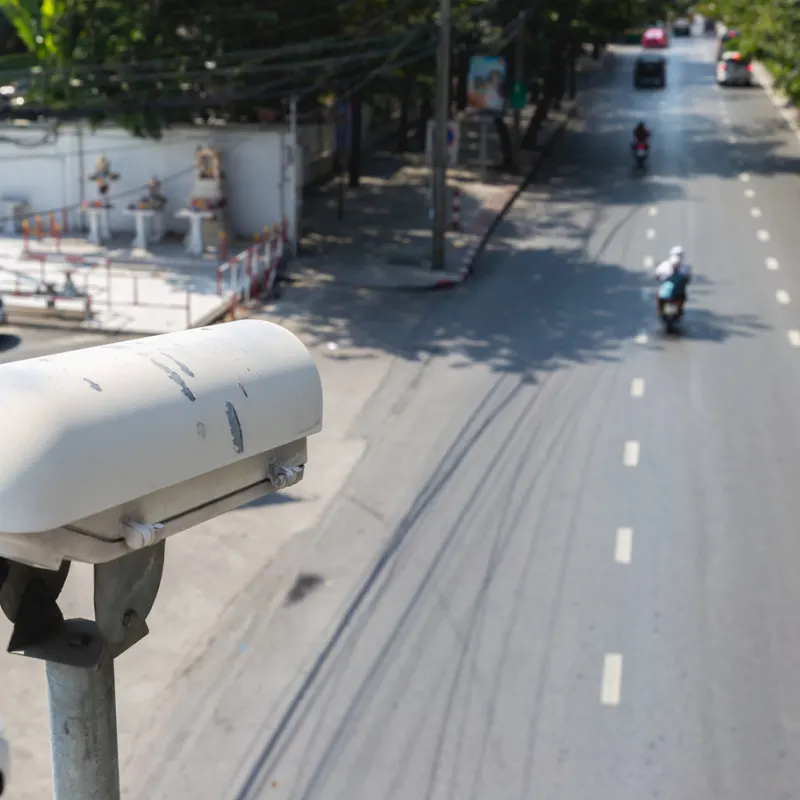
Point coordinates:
[(679, 273), (641, 135)]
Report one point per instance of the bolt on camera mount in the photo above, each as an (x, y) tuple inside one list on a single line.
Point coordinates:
[(226, 427)]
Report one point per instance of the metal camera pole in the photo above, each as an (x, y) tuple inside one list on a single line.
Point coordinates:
[(79, 656)]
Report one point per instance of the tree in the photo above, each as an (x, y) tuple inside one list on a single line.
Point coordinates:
[(147, 65)]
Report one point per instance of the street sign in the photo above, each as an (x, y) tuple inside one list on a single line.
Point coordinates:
[(453, 135), (519, 96)]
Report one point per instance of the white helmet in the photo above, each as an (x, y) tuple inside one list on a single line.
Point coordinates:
[(676, 252)]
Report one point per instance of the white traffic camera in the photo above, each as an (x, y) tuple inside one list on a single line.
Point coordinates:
[(107, 452), (113, 448)]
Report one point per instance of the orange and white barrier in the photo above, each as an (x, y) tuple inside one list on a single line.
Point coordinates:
[(253, 272)]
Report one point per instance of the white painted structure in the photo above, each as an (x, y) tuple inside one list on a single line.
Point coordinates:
[(49, 168), (51, 171)]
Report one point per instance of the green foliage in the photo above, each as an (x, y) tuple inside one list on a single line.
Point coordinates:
[(148, 64)]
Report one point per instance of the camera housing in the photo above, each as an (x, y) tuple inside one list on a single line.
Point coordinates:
[(114, 448)]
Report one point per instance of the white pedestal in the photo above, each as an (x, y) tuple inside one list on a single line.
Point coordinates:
[(143, 217), (157, 227), (99, 230), (194, 240), (11, 208)]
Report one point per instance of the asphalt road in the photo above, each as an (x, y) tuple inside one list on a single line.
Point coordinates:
[(589, 579)]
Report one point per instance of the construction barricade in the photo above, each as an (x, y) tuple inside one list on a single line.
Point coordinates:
[(252, 274)]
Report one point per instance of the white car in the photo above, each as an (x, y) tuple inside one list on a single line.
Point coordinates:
[(4, 763), (733, 69)]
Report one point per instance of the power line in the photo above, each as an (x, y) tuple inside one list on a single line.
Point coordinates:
[(335, 41)]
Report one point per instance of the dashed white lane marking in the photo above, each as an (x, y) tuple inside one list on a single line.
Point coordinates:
[(651, 233), (745, 177), (641, 338), (755, 212), (612, 679), (637, 387), (653, 211), (782, 296), (630, 455), (624, 547), (772, 263), (794, 338), (749, 193), (763, 236), (649, 262)]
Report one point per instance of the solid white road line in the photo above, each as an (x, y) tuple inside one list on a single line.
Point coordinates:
[(782, 296), (763, 236), (612, 679), (651, 233), (794, 338), (637, 387), (755, 212), (624, 546), (772, 263), (630, 456)]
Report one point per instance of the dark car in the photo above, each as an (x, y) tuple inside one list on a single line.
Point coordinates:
[(650, 70), (682, 27)]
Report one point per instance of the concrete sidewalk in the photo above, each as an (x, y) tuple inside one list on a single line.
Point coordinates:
[(384, 240)]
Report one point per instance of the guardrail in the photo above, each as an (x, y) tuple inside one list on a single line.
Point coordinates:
[(252, 273), (93, 278)]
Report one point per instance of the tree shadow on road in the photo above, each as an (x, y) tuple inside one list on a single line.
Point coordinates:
[(528, 310)]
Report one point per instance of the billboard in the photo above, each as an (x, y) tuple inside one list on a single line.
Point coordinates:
[(486, 82)]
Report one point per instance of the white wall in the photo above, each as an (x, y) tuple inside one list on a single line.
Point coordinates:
[(48, 175), (46, 171)]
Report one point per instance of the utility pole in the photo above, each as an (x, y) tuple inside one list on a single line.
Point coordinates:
[(442, 117)]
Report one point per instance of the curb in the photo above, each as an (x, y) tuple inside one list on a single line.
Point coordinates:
[(473, 253)]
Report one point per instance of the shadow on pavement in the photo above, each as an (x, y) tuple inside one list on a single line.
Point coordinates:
[(8, 342)]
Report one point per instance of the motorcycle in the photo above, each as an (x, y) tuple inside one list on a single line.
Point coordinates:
[(640, 153), (671, 295)]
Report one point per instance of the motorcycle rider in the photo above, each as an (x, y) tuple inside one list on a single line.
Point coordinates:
[(679, 272), (641, 135)]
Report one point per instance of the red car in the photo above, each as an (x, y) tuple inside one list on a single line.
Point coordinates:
[(654, 38)]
